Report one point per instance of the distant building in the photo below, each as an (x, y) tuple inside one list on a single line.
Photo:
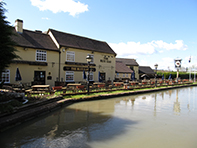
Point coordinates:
[(131, 64), (146, 72), (122, 71)]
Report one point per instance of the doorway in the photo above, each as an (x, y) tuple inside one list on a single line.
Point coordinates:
[(39, 78), (102, 76)]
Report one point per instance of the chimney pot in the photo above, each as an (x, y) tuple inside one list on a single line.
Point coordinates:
[(19, 26)]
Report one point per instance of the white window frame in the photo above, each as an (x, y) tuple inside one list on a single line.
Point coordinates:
[(92, 61), (70, 53), (69, 73), (6, 78), (41, 55)]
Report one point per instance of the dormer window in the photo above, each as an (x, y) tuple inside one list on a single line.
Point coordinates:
[(41, 55)]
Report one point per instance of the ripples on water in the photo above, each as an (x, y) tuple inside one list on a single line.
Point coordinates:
[(161, 119)]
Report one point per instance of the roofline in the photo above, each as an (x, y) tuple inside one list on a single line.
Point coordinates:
[(76, 35), (62, 45), (39, 48)]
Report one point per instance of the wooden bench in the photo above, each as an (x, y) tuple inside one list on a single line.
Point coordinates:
[(57, 87)]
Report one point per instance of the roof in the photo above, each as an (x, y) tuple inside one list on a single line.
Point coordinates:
[(145, 70), (74, 41), (34, 39), (122, 68), (128, 62)]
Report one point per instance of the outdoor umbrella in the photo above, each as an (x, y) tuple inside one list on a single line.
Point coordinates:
[(163, 77), (170, 76), (133, 76), (84, 74), (99, 77), (18, 75)]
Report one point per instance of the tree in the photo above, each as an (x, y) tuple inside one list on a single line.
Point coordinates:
[(7, 50)]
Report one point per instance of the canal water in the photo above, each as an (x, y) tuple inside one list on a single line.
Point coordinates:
[(165, 119)]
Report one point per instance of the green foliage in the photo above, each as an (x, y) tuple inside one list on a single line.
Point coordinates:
[(1, 84), (182, 75), (6, 43), (9, 107)]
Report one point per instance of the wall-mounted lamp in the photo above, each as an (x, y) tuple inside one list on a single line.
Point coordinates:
[(53, 63)]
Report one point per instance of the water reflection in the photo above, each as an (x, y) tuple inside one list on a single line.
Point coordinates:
[(177, 107), (68, 128), (118, 122)]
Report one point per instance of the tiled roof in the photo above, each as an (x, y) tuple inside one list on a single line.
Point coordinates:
[(122, 68), (128, 62), (74, 41), (34, 39), (145, 70)]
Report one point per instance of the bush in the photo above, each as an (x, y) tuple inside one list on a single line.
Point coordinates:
[(182, 75)]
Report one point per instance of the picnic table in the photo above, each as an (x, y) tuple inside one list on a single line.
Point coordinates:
[(74, 86), (39, 89)]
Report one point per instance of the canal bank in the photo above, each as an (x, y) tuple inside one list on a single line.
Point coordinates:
[(34, 110)]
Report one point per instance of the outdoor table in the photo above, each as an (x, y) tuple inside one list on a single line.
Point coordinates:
[(101, 86), (73, 86), (98, 85), (40, 87)]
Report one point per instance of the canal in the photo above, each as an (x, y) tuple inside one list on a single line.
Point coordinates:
[(165, 119)]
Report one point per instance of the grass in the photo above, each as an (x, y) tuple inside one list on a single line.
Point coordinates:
[(92, 94)]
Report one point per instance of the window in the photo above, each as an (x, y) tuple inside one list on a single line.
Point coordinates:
[(69, 76), (5, 76), (127, 75), (92, 61), (41, 56), (70, 56), (123, 75), (117, 75), (131, 67)]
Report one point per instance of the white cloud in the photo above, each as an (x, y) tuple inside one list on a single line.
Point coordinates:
[(71, 6), (133, 48), (163, 45), (45, 18)]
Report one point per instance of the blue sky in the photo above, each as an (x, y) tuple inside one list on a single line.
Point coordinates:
[(150, 31)]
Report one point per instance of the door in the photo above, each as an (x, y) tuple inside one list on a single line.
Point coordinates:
[(39, 77), (102, 76)]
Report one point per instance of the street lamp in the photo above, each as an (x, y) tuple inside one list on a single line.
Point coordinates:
[(89, 59), (156, 65)]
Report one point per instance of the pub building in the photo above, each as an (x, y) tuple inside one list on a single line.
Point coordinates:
[(55, 56)]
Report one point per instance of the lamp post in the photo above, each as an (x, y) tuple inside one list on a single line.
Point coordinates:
[(156, 65), (89, 59)]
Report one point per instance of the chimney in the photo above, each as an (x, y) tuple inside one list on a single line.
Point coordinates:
[(19, 26)]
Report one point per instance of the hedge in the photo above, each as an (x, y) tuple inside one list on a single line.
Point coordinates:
[(182, 75)]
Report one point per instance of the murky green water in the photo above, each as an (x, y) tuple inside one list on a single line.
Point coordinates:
[(166, 119)]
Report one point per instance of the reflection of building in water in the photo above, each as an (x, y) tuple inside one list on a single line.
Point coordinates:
[(170, 93), (155, 105), (177, 108)]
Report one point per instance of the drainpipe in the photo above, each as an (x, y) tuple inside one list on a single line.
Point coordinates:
[(59, 64)]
